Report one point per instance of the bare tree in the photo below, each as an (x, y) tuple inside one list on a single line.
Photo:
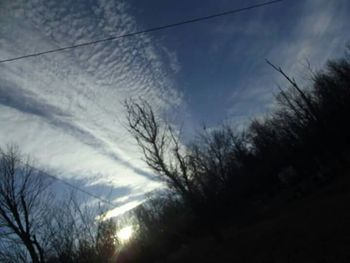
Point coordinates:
[(36, 227), (161, 148), (23, 204), (76, 232), (197, 172)]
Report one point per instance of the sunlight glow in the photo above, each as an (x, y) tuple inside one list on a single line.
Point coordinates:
[(125, 234)]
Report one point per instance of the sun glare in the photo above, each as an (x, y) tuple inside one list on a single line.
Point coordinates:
[(125, 233)]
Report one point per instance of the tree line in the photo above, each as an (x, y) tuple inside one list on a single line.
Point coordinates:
[(227, 176)]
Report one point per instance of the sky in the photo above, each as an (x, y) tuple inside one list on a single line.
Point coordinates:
[(66, 109)]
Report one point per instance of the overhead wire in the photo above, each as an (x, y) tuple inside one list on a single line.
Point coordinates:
[(54, 177), (149, 30)]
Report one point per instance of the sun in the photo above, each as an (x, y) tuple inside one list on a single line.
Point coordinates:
[(125, 234)]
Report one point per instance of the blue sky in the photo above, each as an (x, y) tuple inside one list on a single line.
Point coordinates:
[(65, 109), (223, 71)]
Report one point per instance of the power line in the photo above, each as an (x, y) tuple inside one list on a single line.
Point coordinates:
[(153, 29), (103, 200), (64, 182)]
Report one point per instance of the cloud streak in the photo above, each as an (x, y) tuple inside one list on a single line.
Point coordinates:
[(313, 30), (66, 109)]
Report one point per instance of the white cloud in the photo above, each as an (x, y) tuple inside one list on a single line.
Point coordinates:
[(121, 209), (313, 30), (65, 109)]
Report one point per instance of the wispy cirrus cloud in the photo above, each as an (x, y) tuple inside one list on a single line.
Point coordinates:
[(289, 34), (65, 109)]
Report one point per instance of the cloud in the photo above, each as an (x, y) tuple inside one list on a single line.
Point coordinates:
[(65, 109), (313, 30), (121, 209)]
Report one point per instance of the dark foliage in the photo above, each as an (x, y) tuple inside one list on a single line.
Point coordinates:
[(226, 176)]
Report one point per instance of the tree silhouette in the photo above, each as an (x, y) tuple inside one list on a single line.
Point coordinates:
[(23, 203)]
